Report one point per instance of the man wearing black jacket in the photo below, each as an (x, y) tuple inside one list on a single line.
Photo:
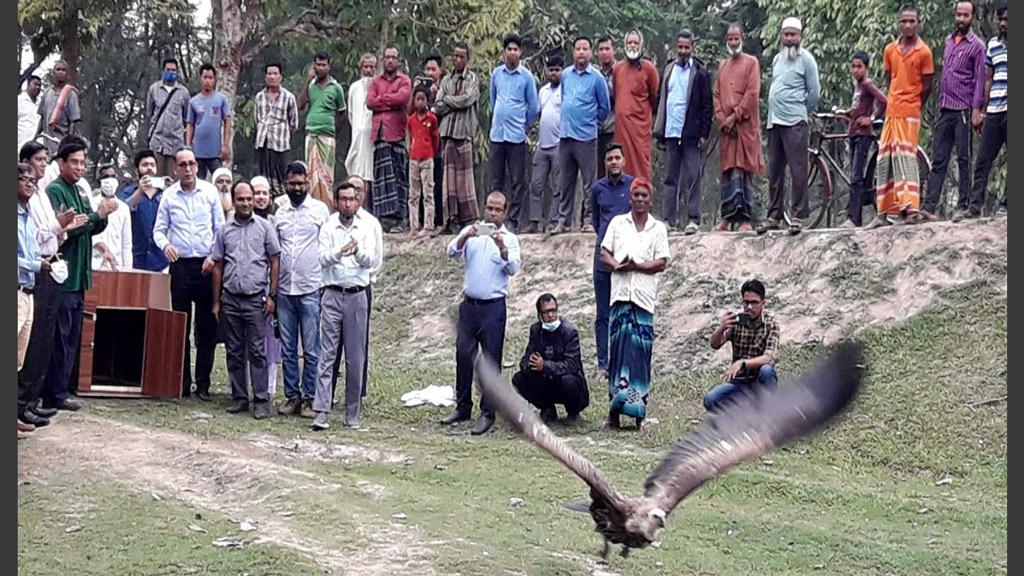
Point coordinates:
[(685, 108), (551, 371)]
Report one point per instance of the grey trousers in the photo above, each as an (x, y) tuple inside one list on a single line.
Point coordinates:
[(545, 170), (787, 145), (342, 325), (682, 180), (243, 324), (575, 157)]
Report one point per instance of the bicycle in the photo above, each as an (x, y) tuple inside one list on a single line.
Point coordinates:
[(823, 162)]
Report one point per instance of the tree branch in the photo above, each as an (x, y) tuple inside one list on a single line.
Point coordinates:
[(308, 21)]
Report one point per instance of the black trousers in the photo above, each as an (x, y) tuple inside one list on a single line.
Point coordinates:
[(271, 164), (481, 328), (190, 288), (40, 342), (993, 137), (576, 158), (366, 351), (244, 327), (207, 167), (510, 158), (546, 391), (952, 128), (439, 215), (682, 180), (860, 186), (787, 145)]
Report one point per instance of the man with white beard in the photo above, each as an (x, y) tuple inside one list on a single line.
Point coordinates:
[(636, 83), (359, 161), (794, 92)]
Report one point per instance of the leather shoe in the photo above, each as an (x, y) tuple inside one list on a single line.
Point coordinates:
[(65, 404), (30, 417), (483, 424), (203, 395), (43, 412), (238, 406), (454, 417), (261, 410)]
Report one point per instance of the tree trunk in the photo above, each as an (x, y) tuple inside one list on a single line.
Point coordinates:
[(71, 47), (228, 42)]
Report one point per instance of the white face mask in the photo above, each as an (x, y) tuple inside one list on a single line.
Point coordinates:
[(59, 271), (551, 326), (108, 187)]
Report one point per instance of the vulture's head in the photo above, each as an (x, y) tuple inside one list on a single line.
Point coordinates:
[(646, 522)]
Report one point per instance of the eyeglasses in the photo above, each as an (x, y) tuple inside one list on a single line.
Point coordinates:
[(27, 180), (751, 303)]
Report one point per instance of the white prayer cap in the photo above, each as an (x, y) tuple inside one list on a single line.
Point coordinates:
[(259, 181), (792, 22), (222, 171)]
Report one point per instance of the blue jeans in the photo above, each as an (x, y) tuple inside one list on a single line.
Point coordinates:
[(299, 315), (602, 293), (765, 377)]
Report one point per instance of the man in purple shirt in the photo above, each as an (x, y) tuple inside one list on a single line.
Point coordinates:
[(961, 98)]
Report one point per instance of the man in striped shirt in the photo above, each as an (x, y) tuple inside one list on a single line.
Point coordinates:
[(993, 132), (277, 116)]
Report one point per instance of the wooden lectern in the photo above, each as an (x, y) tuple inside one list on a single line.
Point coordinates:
[(133, 344)]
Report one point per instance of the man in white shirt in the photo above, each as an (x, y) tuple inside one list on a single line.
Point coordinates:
[(359, 161), (545, 159), (112, 248), (635, 247), (348, 252), (28, 111)]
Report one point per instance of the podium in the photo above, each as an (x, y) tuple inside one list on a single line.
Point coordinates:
[(133, 344)]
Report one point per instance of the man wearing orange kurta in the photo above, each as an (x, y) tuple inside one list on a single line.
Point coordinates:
[(636, 99)]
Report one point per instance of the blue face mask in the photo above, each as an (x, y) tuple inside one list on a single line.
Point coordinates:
[(170, 76), (551, 326)]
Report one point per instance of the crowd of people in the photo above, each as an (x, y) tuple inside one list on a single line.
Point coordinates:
[(281, 267)]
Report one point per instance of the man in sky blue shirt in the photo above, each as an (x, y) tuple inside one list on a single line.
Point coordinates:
[(209, 112), (585, 106), (515, 105), (143, 200), (491, 256)]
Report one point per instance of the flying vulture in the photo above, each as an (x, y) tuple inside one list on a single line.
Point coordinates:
[(743, 429)]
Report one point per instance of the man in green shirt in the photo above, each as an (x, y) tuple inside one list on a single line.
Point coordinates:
[(77, 252), (326, 102)]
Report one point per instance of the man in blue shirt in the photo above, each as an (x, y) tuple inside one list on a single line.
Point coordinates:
[(545, 158), (491, 256), (30, 263), (209, 112), (143, 200), (514, 102), (609, 197), (585, 106)]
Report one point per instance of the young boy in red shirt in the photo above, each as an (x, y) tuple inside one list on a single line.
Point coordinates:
[(424, 139)]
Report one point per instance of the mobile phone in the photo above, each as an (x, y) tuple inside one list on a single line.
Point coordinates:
[(484, 229), (158, 182), (743, 319)]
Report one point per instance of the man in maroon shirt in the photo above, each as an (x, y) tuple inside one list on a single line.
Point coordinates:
[(868, 104), (388, 99)]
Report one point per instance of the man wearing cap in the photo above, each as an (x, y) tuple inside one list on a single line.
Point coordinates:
[(222, 180), (794, 92)]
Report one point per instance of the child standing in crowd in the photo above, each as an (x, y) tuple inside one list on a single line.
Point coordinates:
[(868, 104), (424, 140)]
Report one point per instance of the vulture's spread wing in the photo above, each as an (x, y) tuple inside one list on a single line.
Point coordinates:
[(753, 424)]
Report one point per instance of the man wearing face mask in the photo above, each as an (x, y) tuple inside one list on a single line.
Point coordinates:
[(167, 108), (551, 370), (636, 100), (112, 248)]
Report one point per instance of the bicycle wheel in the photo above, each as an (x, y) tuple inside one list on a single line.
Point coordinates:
[(819, 191), (924, 168)]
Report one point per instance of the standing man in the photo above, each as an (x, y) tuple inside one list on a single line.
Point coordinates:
[(545, 158), (28, 111), (961, 108), (636, 249), (908, 70), (795, 91), (58, 108), (347, 252), (388, 99), (326, 102), (737, 96), (209, 130), (993, 132), (77, 252), (456, 109), (490, 260), (684, 124), (606, 60), (31, 263), (636, 100), (609, 197), (112, 249), (298, 221), (359, 161), (514, 105), (277, 116), (245, 249), (585, 106), (187, 221), (143, 201), (167, 109)]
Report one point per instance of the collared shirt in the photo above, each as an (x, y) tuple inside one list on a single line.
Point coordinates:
[(513, 102), (623, 240), (795, 89), (963, 73), (456, 104), (189, 221), (869, 101), (71, 113), (352, 270), (678, 99), (77, 249), (117, 237), (276, 120), (550, 115), (245, 248), (907, 78), (324, 104), (169, 134), (424, 136), (761, 337), (49, 232), (389, 99), (378, 235), (995, 58), (28, 119), (585, 103), (298, 232), (607, 201), (29, 256), (486, 273), (146, 255)]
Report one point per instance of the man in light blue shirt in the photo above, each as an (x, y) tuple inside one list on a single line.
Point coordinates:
[(491, 256), (585, 106), (187, 221), (514, 102), (30, 263), (545, 158), (209, 129), (794, 93)]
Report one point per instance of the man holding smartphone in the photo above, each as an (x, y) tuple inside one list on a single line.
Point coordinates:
[(143, 200), (754, 335)]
